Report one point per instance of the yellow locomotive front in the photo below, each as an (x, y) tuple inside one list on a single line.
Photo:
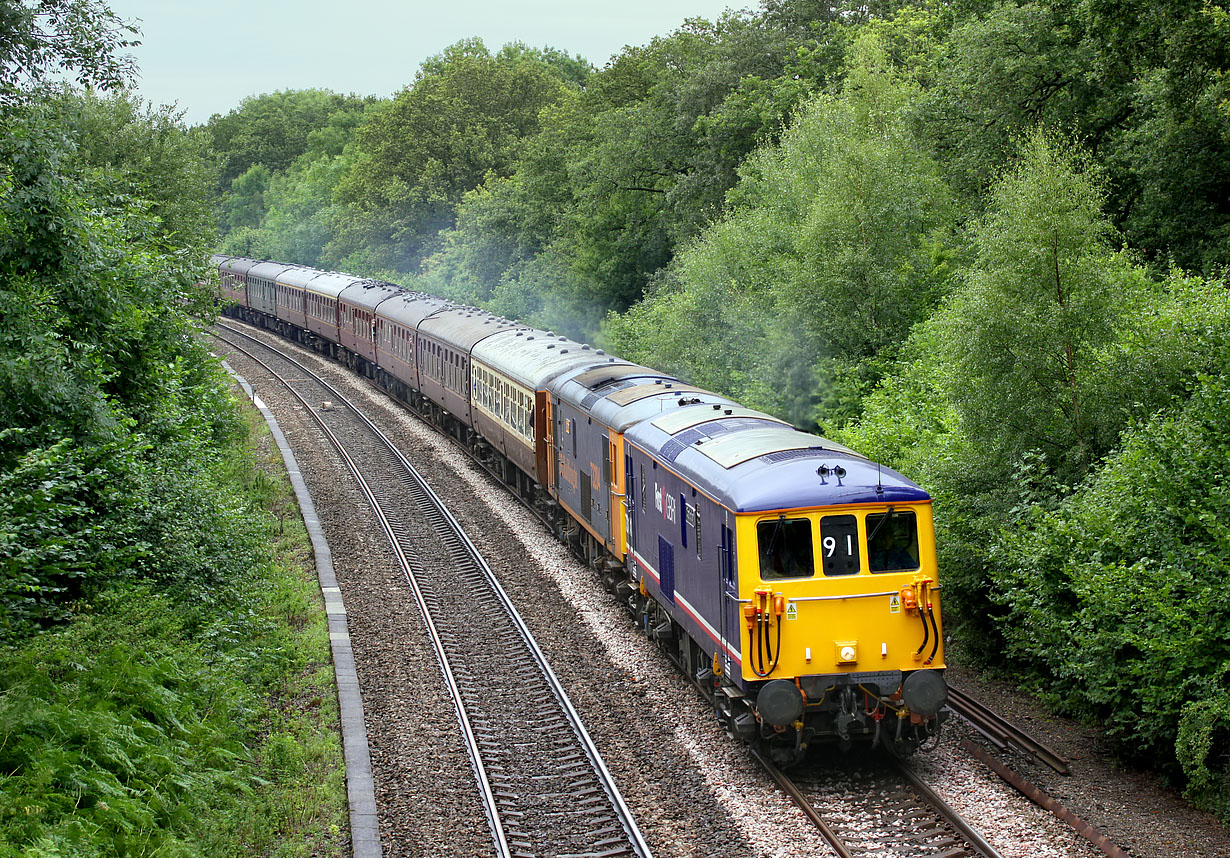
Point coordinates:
[(841, 635)]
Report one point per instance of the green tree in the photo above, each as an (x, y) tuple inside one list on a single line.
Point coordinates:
[(134, 151), (624, 175), (1048, 290), (104, 389), (83, 38), (1116, 599), (832, 251), (464, 117), (1144, 88), (245, 205), (289, 215), (274, 129)]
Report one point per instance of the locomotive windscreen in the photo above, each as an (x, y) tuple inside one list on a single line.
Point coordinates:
[(785, 548), (892, 544)]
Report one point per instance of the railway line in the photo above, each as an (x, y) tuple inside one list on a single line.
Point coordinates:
[(879, 810), (1003, 734), (544, 786)]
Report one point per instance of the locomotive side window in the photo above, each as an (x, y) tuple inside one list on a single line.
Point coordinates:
[(892, 541), (839, 544), (785, 548)]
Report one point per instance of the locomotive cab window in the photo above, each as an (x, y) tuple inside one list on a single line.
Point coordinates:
[(785, 548), (892, 541)]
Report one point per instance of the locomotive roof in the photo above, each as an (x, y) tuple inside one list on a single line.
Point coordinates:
[(331, 283), (752, 462), (461, 327), (368, 293), (410, 308), (534, 357), (626, 393)]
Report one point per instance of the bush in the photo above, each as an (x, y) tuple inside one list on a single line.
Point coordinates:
[(183, 710), (1118, 598)]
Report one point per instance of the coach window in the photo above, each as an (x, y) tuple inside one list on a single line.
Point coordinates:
[(892, 541), (785, 548)]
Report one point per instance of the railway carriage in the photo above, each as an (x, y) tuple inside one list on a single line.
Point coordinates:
[(322, 315), (290, 286), (445, 340), (230, 288), (358, 325), (397, 344), (510, 372), (234, 276), (262, 289)]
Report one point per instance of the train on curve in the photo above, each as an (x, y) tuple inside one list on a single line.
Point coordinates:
[(789, 575)]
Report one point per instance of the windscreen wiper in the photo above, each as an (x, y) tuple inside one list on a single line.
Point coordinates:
[(880, 524)]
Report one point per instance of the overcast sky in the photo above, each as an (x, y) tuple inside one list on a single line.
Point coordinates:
[(207, 55)]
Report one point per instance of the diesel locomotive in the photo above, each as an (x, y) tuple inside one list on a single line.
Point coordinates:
[(791, 577)]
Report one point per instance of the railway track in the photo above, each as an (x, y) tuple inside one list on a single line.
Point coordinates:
[(1002, 733), (543, 784), (879, 811)]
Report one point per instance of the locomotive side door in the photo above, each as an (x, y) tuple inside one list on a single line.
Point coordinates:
[(630, 490), (728, 596), (553, 448), (608, 484)]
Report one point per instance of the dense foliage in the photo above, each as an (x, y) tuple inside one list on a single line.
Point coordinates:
[(144, 630), (986, 242)]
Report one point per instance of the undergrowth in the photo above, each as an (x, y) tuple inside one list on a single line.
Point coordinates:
[(169, 721)]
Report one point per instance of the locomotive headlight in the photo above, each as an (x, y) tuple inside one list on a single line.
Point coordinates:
[(847, 652)]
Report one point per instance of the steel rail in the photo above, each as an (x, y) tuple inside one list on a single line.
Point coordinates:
[(796, 795), (627, 820), (463, 718), (948, 813), (1002, 732), (925, 792)]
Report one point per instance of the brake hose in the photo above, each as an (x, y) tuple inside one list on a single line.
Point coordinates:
[(926, 630), (763, 647), (936, 646)]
